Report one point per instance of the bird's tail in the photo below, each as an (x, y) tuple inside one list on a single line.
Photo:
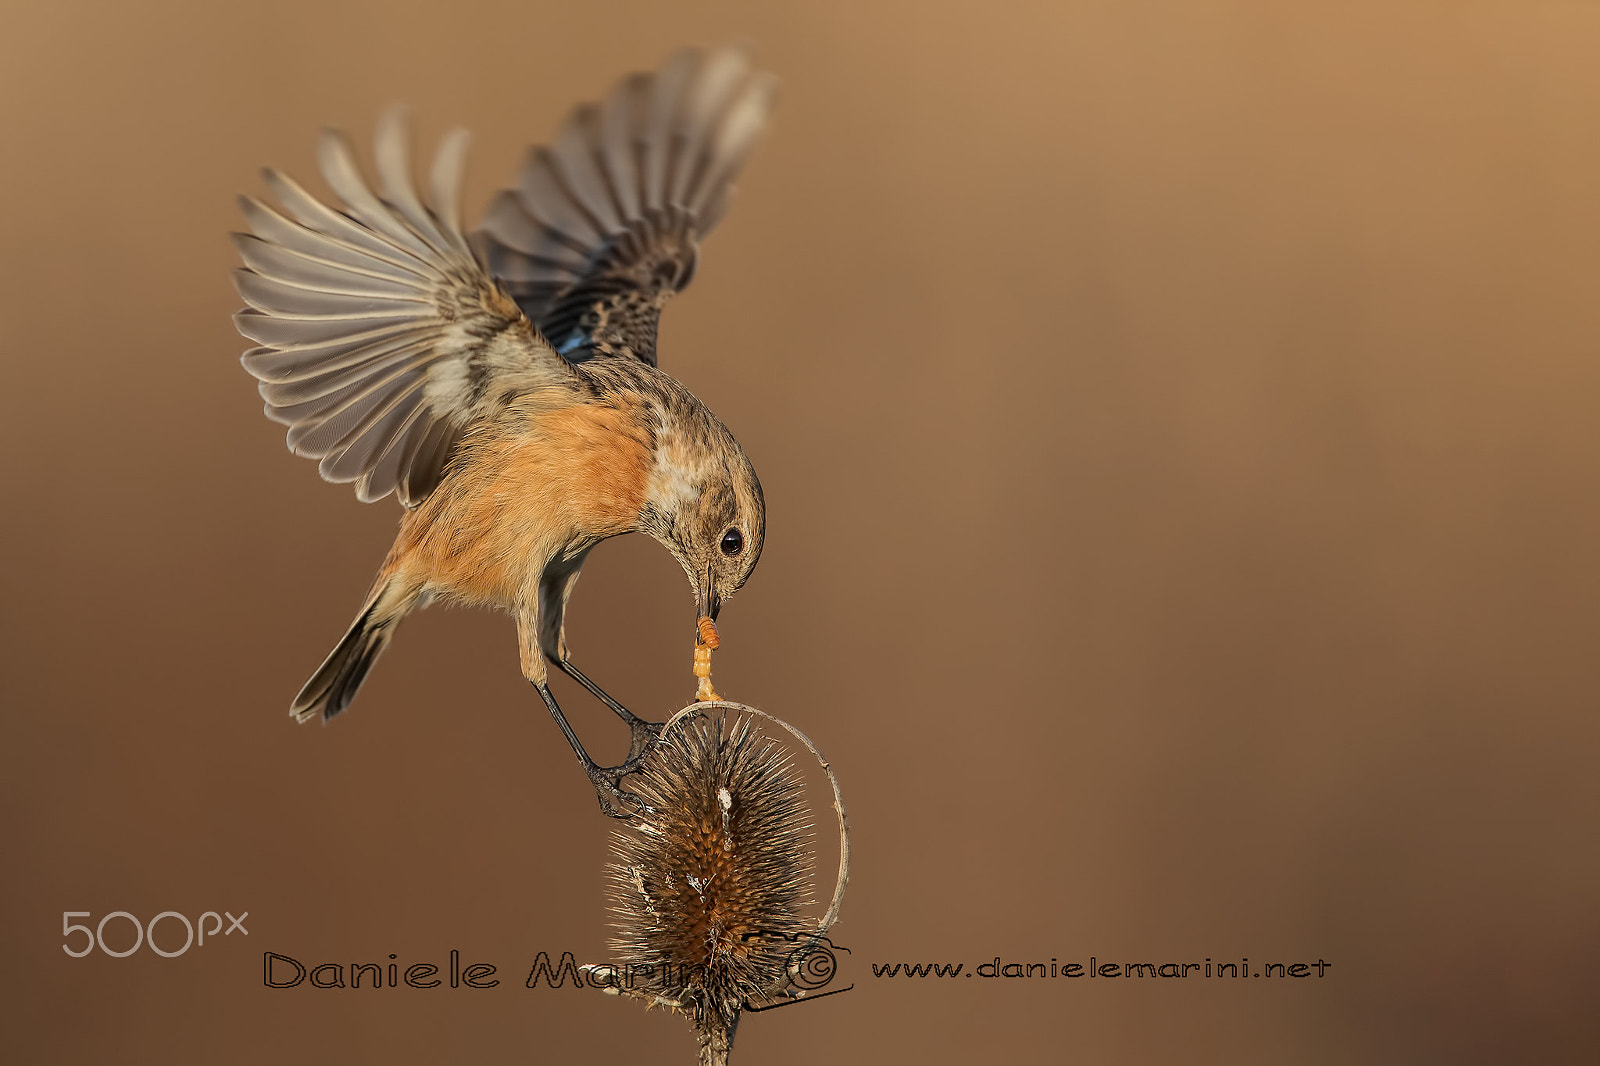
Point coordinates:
[(336, 681)]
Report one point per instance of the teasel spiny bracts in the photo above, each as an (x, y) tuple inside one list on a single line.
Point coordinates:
[(711, 884)]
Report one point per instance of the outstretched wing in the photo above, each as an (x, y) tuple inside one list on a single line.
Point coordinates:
[(602, 228), (382, 337)]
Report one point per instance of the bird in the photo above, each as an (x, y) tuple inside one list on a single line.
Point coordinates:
[(503, 385)]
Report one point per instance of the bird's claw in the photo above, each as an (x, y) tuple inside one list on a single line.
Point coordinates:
[(607, 780), (614, 800), (645, 736)]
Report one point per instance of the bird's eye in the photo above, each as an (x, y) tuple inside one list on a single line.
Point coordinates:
[(732, 542)]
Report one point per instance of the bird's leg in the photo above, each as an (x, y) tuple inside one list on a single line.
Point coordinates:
[(539, 631), (606, 779), (645, 734)]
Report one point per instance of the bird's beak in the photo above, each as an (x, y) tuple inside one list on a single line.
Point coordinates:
[(707, 606)]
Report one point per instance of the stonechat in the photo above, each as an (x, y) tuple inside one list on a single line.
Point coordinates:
[(503, 385)]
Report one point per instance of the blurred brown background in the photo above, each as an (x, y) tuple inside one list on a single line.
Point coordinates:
[(1179, 427)]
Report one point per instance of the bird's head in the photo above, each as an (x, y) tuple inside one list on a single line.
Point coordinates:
[(705, 506)]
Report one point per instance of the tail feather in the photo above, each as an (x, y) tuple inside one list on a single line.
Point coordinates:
[(336, 681)]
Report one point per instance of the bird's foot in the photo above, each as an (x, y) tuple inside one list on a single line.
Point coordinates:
[(645, 736), (607, 780), (614, 800)]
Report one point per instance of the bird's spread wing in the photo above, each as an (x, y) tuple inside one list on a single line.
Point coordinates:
[(602, 228), (382, 337)]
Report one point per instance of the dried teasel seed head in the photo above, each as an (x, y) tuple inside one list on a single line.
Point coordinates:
[(709, 888)]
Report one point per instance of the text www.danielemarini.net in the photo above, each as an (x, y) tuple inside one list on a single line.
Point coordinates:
[(1094, 968)]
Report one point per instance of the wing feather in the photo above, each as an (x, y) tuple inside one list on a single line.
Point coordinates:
[(424, 467), (392, 153), (602, 228), (280, 298), (581, 171), (317, 381), (273, 366), (296, 268), (281, 331), (320, 218), (380, 337), (618, 147), (358, 452), (271, 226), (546, 198), (337, 160), (531, 237), (658, 137), (388, 463), (444, 179), (695, 123)]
